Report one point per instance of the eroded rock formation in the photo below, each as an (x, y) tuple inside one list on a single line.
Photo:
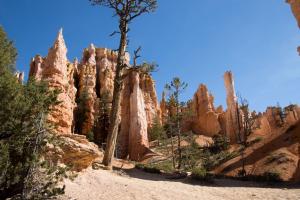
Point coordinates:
[(207, 119), (20, 76), (54, 70), (295, 6), (232, 116), (138, 137), (74, 151), (86, 92)]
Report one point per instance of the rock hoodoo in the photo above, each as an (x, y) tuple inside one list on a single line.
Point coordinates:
[(54, 70), (138, 137), (207, 119), (232, 116), (295, 6), (86, 96)]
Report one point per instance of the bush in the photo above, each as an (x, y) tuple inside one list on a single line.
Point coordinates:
[(269, 177), (191, 154), (90, 136), (148, 168), (221, 143), (201, 174), (157, 132), (210, 161), (256, 140)]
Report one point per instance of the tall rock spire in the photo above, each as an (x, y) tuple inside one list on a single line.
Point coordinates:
[(138, 137), (57, 56), (295, 6), (232, 124), (54, 70), (206, 119)]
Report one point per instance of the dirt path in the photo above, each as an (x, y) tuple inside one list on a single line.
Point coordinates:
[(99, 184)]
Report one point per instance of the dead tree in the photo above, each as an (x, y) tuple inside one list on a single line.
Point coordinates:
[(246, 128), (126, 11)]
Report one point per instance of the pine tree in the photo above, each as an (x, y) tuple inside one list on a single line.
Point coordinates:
[(23, 125), (157, 132), (8, 52), (175, 88)]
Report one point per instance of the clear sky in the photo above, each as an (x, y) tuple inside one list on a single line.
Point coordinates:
[(197, 40)]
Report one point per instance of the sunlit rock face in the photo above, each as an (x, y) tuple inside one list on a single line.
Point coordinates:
[(19, 76), (295, 6), (94, 77), (54, 70), (207, 119), (276, 118), (138, 137), (232, 117), (139, 107), (87, 87)]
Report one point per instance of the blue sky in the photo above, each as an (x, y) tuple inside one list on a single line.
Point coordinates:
[(197, 40)]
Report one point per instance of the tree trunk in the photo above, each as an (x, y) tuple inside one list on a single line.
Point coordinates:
[(172, 147), (116, 103), (173, 154), (178, 130), (179, 141)]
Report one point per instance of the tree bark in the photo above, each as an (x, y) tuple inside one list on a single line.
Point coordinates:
[(178, 132), (116, 103)]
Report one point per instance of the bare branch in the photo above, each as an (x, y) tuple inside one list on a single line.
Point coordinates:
[(114, 33), (136, 55)]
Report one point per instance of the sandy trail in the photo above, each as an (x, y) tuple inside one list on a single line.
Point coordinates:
[(99, 184)]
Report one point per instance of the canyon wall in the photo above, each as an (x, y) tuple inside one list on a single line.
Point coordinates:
[(86, 89)]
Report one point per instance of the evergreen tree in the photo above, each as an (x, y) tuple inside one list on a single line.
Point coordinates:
[(23, 125), (157, 132), (8, 52), (175, 88)]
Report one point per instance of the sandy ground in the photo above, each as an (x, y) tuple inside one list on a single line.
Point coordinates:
[(135, 184)]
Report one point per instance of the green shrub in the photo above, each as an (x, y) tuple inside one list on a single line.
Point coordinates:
[(157, 132), (269, 177), (210, 161), (256, 140), (201, 174), (90, 136), (221, 143), (148, 168)]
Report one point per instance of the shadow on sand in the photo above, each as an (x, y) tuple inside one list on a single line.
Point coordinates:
[(217, 182)]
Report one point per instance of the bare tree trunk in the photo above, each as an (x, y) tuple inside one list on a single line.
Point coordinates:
[(178, 135), (116, 103), (172, 149), (239, 138), (173, 154)]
